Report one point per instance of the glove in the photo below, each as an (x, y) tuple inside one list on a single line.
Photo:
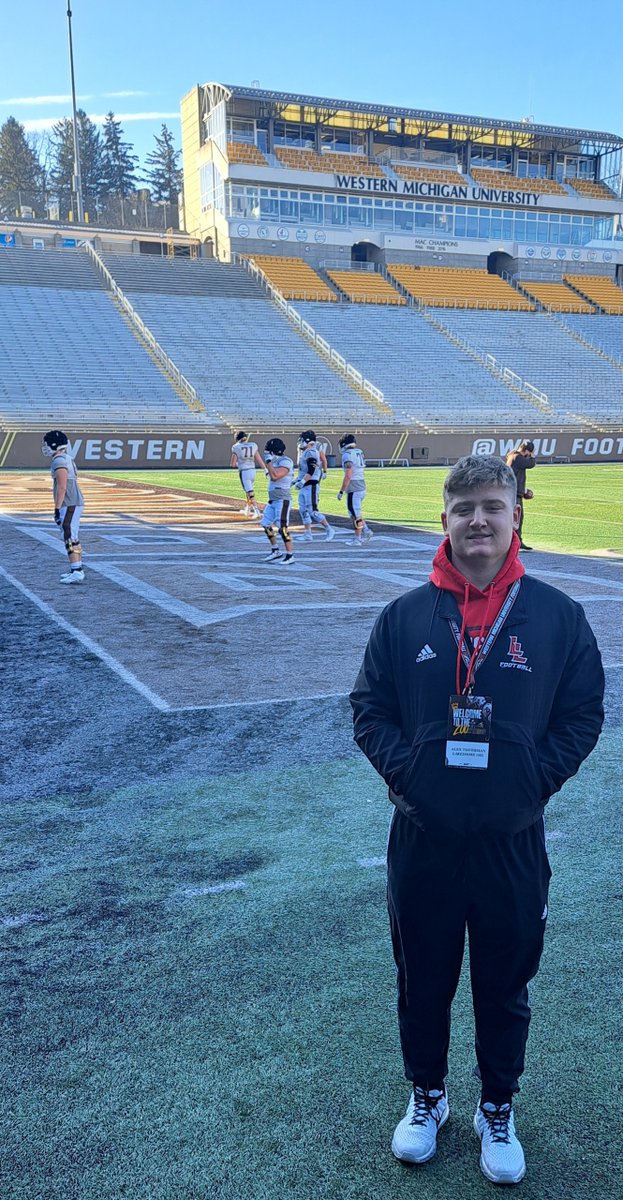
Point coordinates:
[(298, 483), (324, 475), (339, 495), (57, 517), (529, 494), (268, 457)]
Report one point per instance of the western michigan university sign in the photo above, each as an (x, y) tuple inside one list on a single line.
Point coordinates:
[(427, 190)]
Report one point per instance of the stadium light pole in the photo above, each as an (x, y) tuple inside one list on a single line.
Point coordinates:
[(77, 178)]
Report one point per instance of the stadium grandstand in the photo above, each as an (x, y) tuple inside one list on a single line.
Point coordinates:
[(437, 281)]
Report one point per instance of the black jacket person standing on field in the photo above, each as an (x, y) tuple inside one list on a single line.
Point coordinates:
[(522, 460), (480, 694)]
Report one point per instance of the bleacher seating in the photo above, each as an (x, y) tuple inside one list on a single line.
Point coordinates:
[(600, 289), (246, 358), (502, 179), (457, 287), (427, 174), (594, 188), (556, 296), (308, 160), (181, 276), (577, 381), (605, 333), (246, 152), (366, 287), (294, 278), (74, 361), (424, 376)]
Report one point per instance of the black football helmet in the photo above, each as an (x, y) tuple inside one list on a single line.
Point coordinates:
[(275, 446), (305, 439), (241, 437), (349, 439), (53, 440)]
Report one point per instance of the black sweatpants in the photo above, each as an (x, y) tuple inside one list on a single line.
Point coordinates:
[(494, 886)]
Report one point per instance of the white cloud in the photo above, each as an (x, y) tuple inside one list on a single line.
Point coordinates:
[(42, 100), (119, 95), (38, 124)]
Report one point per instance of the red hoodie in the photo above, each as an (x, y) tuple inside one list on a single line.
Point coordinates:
[(478, 609)]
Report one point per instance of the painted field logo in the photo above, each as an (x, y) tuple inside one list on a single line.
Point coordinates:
[(516, 655)]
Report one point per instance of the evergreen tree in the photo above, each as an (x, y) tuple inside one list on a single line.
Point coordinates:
[(118, 161), (163, 174), (20, 173), (91, 162)]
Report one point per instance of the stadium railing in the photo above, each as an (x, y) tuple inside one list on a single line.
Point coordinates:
[(171, 369), (367, 389)]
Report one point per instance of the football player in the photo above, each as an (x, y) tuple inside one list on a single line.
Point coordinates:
[(244, 456), (354, 485), (68, 500), (312, 469), (280, 471)]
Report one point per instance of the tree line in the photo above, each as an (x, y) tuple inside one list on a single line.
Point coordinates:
[(36, 173)]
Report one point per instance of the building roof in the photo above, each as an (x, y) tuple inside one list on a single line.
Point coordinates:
[(322, 106)]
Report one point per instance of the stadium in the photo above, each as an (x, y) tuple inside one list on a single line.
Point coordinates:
[(199, 990)]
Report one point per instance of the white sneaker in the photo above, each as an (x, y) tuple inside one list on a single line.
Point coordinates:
[(501, 1156), (308, 536), (355, 542), (274, 555), (73, 577), (415, 1137), (244, 512), (330, 533), (286, 559), (367, 535)]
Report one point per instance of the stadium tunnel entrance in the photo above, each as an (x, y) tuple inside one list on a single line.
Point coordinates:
[(366, 252), (499, 261)]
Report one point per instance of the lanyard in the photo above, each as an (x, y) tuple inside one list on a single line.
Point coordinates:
[(478, 655)]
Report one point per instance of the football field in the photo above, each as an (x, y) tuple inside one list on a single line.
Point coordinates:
[(198, 990)]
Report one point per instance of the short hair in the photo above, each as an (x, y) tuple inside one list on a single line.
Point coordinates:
[(527, 446), (478, 471)]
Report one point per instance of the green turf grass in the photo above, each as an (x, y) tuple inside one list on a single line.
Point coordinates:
[(167, 1043), (576, 509)]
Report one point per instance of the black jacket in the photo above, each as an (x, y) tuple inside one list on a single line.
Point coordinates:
[(547, 711), (519, 464)]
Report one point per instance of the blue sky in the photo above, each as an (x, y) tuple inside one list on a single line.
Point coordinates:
[(483, 58)]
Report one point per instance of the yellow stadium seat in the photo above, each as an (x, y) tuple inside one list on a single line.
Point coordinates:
[(366, 287), (427, 174), (294, 278), (490, 178), (601, 290), (557, 297), (458, 287), (244, 152), (308, 160), (591, 187)]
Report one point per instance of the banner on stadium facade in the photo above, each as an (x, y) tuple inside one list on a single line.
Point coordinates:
[(99, 451), (568, 254)]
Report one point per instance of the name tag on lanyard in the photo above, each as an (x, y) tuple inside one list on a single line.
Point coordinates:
[(469, 716), (469, 732)]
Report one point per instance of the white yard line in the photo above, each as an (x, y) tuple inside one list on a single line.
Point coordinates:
[(89, 644)]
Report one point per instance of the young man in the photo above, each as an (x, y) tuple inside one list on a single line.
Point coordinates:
[(68, 500), (480, 694), (244, 456), (520, 461), (354, 485), (312, 466), (280, 471)]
